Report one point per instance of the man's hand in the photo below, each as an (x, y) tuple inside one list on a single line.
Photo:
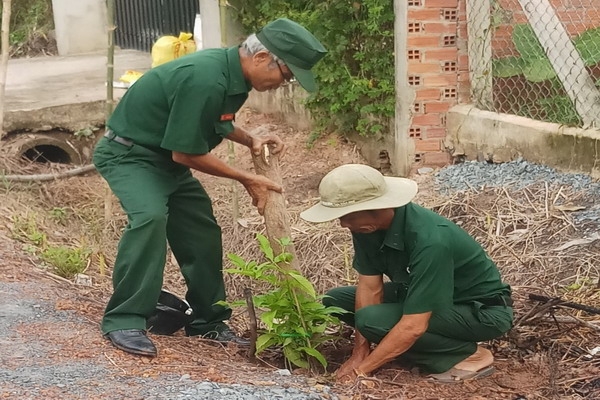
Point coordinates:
[(348, 372), (274, 142), (258, 188)]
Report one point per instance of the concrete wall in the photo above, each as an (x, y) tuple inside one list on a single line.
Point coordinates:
[(485, 135), (211, 25), (80, 26)]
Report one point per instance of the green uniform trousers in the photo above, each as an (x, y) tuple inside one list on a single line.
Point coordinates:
[(163, 202), (452, 334)]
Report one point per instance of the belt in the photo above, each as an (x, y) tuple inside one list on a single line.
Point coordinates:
[(501, 300), (113, 137)]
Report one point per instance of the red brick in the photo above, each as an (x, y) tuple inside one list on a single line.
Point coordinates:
[(438, 159), (422, 146), (435, 133), (439, 80), (463, 62), (424, 41), (440, 54), (423, 68), (441, 3), (461, 31), (424, 15), (428, 94), (462, 7), (437, 107), (463, 77), (439, 27), (427, 120)]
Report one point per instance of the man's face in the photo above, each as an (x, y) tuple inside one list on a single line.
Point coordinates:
[(267, 74), (360, 222)]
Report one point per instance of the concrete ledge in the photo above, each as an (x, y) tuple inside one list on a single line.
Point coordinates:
[(485, 135), (71, 117)]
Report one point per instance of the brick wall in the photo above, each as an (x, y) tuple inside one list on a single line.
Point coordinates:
[(438, 62), (577, 16), (438, 71)]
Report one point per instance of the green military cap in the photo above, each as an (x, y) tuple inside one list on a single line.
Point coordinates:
[(296, 46)]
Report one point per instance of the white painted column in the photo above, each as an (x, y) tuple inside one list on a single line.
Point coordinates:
[(211, 24), (80, 26), (565, 59), (479, 48), (403, 152)]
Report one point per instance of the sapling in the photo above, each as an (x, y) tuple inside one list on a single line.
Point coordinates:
[(291, 313)]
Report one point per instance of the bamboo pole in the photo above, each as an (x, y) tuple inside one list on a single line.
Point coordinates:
[(110, 58), (110, 76), (235, 203), (5, 32)]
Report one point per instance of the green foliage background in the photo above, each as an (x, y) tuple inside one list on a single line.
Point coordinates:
[(27, 17), (356, 78)]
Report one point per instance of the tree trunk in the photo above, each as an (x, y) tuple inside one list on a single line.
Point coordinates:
[(6, 9), (277, 220)]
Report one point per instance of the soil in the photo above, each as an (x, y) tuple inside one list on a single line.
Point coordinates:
[(66, 330)]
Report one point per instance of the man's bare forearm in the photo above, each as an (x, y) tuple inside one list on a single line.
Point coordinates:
[(241, 136), (211, 165)]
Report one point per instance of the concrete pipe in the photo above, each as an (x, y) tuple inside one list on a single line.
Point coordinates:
[(46, 147)]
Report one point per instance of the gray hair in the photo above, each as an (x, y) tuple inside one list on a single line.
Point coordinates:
[(252, 46)]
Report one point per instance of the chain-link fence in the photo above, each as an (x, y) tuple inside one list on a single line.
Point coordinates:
[(536, 58)]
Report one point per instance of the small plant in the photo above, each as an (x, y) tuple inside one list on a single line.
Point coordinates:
[(85, 133), (59, 214), (66, 262), (25, 229), (293, 316)]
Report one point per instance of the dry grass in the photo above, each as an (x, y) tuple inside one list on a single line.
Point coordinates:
[(528, 232)]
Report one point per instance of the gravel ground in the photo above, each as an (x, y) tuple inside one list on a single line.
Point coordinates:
[(31, 370), (519, 174)]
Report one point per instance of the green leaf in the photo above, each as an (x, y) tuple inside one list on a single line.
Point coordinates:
[(588, 45), (527, 43), (236, 260), (284, 242), (267, 318), (295, 357), (265, 246), (508, 66), (264, 341), (304, 283), (539, 70), (316, 354)]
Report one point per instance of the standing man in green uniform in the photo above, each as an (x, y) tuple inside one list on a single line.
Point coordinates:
[(167, 123), (445, 293)]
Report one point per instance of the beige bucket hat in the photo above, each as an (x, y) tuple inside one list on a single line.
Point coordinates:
[(356, 187)]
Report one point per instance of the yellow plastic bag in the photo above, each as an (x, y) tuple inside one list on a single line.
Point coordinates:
[(130, 76), (168, 48)]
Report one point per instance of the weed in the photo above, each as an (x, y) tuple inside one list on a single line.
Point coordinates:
[(59, 214), (66, 262), (292, 313), (25, 229)]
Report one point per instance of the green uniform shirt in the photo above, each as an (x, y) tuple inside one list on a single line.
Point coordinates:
[(438, 262), (186, 105)]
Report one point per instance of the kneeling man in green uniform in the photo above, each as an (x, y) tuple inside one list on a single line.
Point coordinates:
[(444, 292), (168, 122)]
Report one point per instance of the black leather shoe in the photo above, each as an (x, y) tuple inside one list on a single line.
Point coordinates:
[(133, 341), (227, 336)]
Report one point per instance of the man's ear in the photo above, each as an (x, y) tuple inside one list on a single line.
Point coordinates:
[(261, 57)]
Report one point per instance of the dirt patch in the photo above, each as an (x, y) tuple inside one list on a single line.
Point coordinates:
[(533, 362)]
